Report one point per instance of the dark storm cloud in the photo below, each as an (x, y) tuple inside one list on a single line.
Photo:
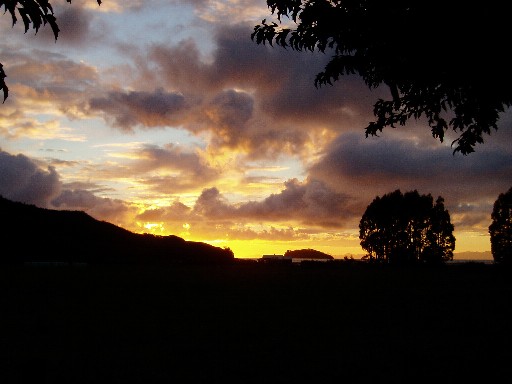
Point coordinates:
[(74, 24), (78, 199), (236, 61), (180, 67), (212, 204), (369, 167), (232, 117), (229, 113), (150, 109), (353, 156), (388, 162), (249, 96), (284, 79), (21, 179), (311, 202), (231, 108), (107, 209)]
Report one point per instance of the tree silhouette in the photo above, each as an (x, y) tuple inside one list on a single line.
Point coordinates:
[(407, 228), (35, 14), (444, 61), (500, 229)]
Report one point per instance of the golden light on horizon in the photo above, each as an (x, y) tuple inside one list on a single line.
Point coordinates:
[(154, 227), (223, 154)]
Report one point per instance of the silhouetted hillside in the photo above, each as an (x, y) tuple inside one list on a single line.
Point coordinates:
[(30, 233), (308, 254)]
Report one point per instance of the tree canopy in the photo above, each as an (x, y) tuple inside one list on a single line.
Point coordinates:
[(500, 229), (443, 61), (407, 228), (34, 14)]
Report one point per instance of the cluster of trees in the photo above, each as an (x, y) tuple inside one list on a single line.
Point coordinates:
[(410, 228), (407, 228)]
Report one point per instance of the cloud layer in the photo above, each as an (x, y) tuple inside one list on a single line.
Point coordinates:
[(208, 135)]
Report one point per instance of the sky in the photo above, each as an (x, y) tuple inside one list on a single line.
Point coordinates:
[(164, 117)]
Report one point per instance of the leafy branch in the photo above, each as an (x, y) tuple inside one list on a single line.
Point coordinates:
[(34, 14)]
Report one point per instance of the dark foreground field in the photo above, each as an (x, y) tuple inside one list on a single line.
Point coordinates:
[(255, 324)]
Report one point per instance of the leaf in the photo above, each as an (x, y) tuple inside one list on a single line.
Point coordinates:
[(3, 86), (53, 23), (25, 18)]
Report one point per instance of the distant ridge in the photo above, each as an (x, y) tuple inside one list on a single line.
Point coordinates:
[(308, 254), (486, 255), (33, 234)]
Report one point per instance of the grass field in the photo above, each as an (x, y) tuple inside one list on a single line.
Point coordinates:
[(255, 324)]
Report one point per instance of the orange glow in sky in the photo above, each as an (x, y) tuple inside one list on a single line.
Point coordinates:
[(169, 119)]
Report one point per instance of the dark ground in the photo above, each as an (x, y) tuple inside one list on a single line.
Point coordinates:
[(255, 324)]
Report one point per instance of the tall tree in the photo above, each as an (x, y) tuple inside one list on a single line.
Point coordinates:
[(407, 228), (34, 14), (445, 61), (439, 238), (500, 229)]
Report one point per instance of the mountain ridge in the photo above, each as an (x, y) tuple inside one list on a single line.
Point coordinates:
[(37, 234)]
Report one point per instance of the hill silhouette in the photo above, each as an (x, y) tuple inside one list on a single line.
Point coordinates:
[(33, 234), (308, 254)]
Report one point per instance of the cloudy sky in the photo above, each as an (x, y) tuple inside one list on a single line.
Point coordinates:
[(165, 117)]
